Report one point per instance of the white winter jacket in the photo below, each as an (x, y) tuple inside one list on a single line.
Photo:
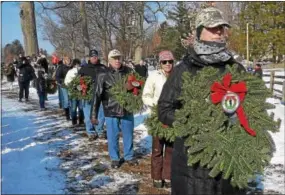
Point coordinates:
[(71, 74), (153, 87)]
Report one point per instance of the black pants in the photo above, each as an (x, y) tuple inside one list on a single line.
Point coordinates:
[(24, 86)]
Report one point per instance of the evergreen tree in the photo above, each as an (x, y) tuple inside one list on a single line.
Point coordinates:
[(12, 50), (266, 28), (184, 18)]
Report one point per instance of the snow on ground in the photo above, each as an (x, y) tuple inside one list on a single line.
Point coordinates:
[(274, 178), (36, 147), (26, 168)]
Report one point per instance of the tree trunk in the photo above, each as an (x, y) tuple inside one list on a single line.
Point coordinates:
[(86, 39), (29, 28), (138, 49)]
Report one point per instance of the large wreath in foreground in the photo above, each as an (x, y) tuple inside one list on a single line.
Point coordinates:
[(130, 100), (237, 143), (156, 128), (81, 88)]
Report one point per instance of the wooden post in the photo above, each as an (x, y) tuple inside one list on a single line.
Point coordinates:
[(283, 93), (272, 81)]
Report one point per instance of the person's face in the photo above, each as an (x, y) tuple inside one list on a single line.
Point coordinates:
[(66, 61), (216, 34), (94, 59), (167, 65), (141, 62), (115, 62)]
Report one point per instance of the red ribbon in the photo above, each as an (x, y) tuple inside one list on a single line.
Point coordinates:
[(164, 126), (83, 86), (132, 78), (220, 90)]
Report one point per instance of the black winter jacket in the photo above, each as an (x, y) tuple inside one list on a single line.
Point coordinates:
[(92, 70), (186, 179), (141, 70), (26, 72), (61, 73), (40, 85), (43, 63), (103, 83)]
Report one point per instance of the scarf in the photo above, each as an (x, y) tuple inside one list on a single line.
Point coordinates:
[(211, 52)]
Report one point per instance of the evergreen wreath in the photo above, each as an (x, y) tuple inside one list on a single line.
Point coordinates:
[(51, 87), (223, 142), (81, 88), (156, 128), (130, 100)]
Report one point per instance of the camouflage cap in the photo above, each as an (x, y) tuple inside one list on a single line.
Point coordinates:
[(210, 17)]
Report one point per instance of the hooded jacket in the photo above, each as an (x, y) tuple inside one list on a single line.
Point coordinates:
[(186, 179), (104, 81)]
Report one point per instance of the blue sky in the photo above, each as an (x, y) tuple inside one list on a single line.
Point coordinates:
[(11, 26)]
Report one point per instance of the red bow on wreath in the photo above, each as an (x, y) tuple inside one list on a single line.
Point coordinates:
[(220, 92), (83, 86), (135, 83)]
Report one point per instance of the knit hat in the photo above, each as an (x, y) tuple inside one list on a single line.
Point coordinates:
[(93, 53), (165, 55)]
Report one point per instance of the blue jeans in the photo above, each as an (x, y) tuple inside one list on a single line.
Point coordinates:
[(42, 96), (257, 183), (127, 127), (101, 119), (74, 105), (59, 96), (87, 111), (65, 101), (90, 128)]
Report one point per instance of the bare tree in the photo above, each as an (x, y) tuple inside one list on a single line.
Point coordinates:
[(65, 32)]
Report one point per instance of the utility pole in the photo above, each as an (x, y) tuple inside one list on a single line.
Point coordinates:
[(247, 50)]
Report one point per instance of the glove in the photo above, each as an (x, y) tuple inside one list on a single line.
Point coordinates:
[(129, 86)]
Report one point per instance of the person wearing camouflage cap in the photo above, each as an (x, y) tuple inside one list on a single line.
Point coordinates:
[(208, 49)]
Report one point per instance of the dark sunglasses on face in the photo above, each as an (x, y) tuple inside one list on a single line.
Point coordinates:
[(165, 62)]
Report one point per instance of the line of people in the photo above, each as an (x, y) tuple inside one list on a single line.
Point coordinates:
[(169, 166)]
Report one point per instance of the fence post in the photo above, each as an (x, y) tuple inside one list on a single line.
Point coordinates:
[(272, 73), (283, 93)]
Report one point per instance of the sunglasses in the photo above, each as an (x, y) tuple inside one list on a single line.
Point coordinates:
[(165, 62)]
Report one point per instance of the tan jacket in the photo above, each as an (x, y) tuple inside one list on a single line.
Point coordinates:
[(153, 87)]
